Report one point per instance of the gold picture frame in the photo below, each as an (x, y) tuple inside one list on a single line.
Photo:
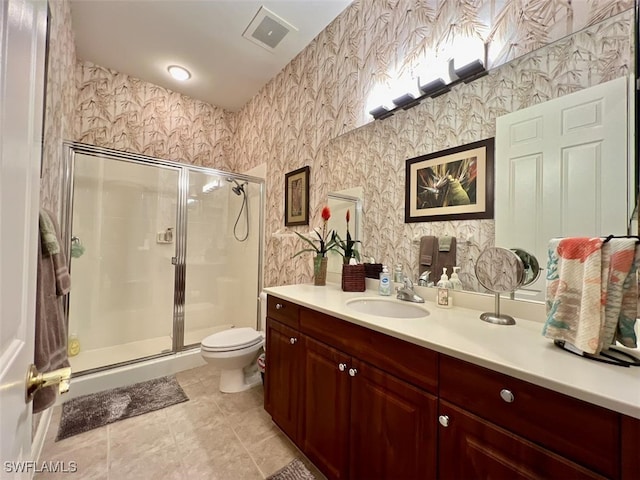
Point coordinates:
[(453, 184), (296, 197)]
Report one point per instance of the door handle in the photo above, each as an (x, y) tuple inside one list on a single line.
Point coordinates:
[(36, 381)]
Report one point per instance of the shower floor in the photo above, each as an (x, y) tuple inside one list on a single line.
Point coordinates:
[(126, 352)]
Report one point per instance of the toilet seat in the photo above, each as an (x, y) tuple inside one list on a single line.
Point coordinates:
[(232, 339)]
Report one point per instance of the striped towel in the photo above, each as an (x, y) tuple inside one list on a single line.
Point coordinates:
[(618, 256), (625, 333), (574, 272)]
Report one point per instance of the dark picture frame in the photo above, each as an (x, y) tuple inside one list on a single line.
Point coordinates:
[(452, 184), (296, 197)]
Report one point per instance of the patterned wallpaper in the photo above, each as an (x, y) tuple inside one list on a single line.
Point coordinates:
[(322, 94), (60, 102), (115, 110)]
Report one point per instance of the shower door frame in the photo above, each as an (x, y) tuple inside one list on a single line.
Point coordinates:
[(179, 260)]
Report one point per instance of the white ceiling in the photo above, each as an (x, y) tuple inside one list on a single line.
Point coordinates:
[(141, 38)]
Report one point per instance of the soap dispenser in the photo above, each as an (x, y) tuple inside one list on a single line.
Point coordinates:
[(443, 298), (456, 283), (385, 282)]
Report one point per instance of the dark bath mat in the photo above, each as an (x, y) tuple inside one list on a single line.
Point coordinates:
[(92, 411), (295, 470)]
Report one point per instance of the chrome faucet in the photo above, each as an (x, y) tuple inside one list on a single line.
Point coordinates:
[(406, 292), (423, 280)]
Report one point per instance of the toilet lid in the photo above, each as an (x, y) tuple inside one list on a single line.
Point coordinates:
[(232, 339)]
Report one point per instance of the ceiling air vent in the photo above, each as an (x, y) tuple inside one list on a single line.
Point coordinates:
[(267, 29)]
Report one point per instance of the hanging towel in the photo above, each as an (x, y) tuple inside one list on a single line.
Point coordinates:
[(446, 256), (48, 233), (444, 244), (574, 272), (51, 332), (625, 330), (618, 255), (428, 253)]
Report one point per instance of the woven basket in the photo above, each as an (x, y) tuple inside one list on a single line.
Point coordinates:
[(372, 270), (353, 278)]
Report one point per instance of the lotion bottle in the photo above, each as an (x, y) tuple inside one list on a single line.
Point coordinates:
[(385, 282), (443, 295)]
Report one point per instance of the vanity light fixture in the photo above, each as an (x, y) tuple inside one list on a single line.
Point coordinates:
[(380, 112), (434, 88), (469, 72), (406, 101), (179, 73)]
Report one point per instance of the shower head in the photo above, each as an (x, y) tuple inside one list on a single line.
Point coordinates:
[(238, 189)]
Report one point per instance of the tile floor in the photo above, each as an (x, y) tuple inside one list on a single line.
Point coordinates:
[(213, 436)]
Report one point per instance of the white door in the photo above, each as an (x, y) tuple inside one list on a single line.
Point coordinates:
[(562, 169), (22, 54)]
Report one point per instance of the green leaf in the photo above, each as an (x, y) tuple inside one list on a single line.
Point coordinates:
[(305, 250), (308, 241)]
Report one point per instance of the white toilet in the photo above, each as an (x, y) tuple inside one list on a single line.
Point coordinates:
[(234, 351)]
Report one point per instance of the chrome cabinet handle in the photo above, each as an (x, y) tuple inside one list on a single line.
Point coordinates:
[(293, 340), (353, 372), (444, 420), (507, 396), (342, 367), (279, 306)]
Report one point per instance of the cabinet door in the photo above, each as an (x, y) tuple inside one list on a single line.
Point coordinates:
[(326, 393), (282, 376), (472, 448), (393, 427)]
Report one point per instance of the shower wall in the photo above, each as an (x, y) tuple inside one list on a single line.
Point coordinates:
[(122, 288)]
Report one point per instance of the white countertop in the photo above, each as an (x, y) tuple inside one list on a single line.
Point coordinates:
[(519, 350)]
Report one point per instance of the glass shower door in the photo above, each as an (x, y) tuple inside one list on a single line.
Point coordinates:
[(123, 241), (222, 257)]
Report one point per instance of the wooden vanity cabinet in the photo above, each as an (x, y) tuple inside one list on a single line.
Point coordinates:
[(363, 405), (550, 430), (355, 419), (360, 422), (283, 373), (325, 415), (473, 448), (393, 427)]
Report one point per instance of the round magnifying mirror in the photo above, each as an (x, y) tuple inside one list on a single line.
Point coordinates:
[(531, 266), (499, 270)]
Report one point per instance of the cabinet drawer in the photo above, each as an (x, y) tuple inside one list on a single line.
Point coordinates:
[(283, 311), (582, 432), (414, 364)]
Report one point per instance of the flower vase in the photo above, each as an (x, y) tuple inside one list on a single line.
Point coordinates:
[(320, 270)]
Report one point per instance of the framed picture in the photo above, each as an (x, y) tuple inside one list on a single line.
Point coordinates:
[(296, 197), (453, 184)]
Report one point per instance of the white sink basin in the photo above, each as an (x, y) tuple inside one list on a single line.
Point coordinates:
[(387, 307)]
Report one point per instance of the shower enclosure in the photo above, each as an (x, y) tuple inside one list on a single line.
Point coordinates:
[(162, 254)]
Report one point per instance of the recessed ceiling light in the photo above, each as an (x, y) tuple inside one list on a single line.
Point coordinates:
[(178, 72)]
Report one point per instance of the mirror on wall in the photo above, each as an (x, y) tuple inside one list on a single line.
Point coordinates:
[(374, 155), (340, 202)]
